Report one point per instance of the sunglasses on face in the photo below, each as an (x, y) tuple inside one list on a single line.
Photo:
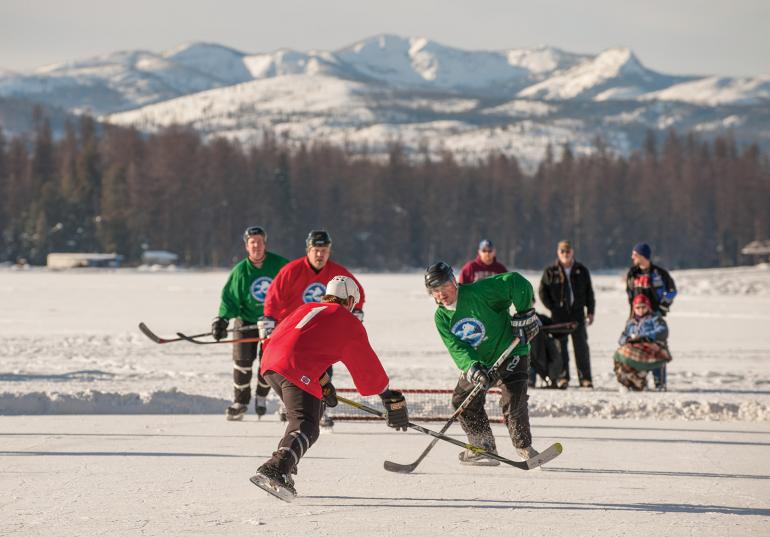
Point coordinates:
[(487, 251), (565, 251)]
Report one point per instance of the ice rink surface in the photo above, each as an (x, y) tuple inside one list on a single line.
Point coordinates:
[(103, 432)]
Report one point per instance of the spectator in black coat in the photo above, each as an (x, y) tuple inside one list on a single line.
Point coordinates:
[(566, 290)]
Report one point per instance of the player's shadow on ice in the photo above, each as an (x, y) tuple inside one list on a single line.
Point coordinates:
[(86, 374), (711, 475), (665, 441), (474, 503)]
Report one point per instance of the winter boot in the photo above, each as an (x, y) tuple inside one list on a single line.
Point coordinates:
[(527, 452), (470, 457), (235, 412)]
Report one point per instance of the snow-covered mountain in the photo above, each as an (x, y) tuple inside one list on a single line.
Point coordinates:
[(387, 87)]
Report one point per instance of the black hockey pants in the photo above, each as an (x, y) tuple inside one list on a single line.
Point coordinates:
[(513, 403), (303, 414), (244, 356)]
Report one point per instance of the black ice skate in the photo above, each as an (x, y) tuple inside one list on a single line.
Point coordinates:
[(272, 481), (235, 412), (260, 405)]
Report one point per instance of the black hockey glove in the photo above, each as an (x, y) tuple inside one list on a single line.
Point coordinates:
[(219, 328), (478, 374), (395, 407), (526, 325), (328, 391), (265, 325)]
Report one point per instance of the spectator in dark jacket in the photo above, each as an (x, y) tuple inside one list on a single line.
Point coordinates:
[(654, 282), (484, 266), (566, 290)]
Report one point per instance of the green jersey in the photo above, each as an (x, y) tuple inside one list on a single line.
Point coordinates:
[(479, 329), (243, 296)]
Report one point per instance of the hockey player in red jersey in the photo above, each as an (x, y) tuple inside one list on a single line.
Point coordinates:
[(294, 363), (303, 281)]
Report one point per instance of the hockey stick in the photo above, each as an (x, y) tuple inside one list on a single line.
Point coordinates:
[(553, 451), (221, 341), (559, 328), (150, 334), (408, 468)]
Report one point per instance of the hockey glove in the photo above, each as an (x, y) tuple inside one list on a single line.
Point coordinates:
[(265, 325), (359, 315), (480, 375), (526, 326), (395, 407), (328, 391), (219, 328)]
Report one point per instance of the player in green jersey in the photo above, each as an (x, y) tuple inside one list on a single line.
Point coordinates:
[(474, 322), (243, 298)]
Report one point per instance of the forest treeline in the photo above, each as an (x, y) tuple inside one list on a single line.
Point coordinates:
[(110, 189)]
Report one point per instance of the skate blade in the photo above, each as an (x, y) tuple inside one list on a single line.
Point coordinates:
[(265, 484), (230, 417), (481, 462)]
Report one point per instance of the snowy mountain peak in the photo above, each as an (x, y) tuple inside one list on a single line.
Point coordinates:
[(618, 61)]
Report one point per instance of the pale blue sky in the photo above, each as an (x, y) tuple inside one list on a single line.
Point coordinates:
[(724, 37)]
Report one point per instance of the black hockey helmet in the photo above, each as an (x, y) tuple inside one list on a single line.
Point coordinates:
[(437, 275), (254, 230), (318, 237)]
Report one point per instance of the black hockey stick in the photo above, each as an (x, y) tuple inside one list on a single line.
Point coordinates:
[(408, 468), (549, 454), (150, 334), (221, 341)]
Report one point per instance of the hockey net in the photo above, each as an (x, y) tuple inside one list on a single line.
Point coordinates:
[(423, 405)]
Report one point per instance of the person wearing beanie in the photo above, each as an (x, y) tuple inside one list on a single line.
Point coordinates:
[(566, 290), (655, 283), (483, 266), (643, 345)]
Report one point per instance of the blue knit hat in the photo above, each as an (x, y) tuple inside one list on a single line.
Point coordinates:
[(486, 244), (643, 249)]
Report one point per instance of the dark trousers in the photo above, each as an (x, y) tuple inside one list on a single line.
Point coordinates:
[(582, 353), (244, 356), (303, 414), (513, 403)]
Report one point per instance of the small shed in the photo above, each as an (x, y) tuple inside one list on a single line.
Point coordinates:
[(757, 249), (159, 257)]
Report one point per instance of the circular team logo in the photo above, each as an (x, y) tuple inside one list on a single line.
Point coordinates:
[(314, 292), (469, 330), (259, 288)]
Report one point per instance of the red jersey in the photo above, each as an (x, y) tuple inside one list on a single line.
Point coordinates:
[(476, 270), (315, 336), (298, 283)]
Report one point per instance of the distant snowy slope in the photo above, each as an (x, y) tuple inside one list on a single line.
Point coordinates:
[(216, 61), (615, 73), (715, 91), (422, 62)]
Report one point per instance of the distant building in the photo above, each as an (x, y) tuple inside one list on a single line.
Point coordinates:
[(757, 249), (62, 261), (159, 257)]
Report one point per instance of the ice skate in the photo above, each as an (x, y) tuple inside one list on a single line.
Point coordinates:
[(326, 421), (235, 412), (272, 481), (471, 458), (260, 405)]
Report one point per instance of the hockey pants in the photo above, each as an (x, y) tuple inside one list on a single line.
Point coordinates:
[(303, 413), (513, 403), (244, 356)]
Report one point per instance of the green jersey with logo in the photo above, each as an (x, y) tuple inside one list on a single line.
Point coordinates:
[(243, 296), (479, 328)]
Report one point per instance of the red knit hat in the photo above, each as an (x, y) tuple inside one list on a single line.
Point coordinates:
[(642, 298)]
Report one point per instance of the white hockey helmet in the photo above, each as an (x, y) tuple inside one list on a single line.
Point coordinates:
[(343, 287)]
